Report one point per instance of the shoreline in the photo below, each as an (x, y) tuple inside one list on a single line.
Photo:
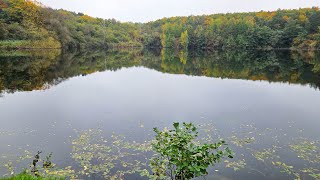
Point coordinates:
[(138, 47)]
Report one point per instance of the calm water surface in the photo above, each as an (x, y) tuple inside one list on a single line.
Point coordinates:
[(265, 104)]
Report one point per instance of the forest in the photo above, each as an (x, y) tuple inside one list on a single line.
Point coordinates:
[(29, 24)]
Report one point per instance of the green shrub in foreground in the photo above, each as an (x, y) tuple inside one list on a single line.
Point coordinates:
[(180, 156)]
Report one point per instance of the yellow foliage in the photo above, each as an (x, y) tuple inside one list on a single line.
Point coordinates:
[(87, 18), (286, 18), (265, 15), (208, 21), (183, 20), (302, 18), (250, 20), (24, 10), (49, 43)]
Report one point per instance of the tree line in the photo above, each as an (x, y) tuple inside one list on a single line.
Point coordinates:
[(298, 28), (26, 23)]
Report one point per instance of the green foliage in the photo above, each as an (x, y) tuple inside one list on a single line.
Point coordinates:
[(49, 43), (23, 11), (167, 41), (35, 173), (184, 40), (26, 176), (314, 20), (3, 30), (260, 30), (180, 156), (13, 44), (318, 38), (27, 20), (152, 40)]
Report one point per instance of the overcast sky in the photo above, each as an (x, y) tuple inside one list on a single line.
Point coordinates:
[(148, 10)]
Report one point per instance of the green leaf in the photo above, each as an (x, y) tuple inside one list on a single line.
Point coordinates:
[(176, 125)]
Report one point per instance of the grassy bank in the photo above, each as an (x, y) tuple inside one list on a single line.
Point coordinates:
[(25, 176), (49, 43)]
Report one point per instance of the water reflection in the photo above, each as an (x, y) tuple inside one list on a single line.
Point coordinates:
[(273, 128), (38, 70), (273, 66)]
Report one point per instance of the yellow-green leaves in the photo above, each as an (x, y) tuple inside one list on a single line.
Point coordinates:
[(178, 156)]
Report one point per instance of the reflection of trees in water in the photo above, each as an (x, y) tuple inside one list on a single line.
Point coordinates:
[(272, 66), (26, 71)]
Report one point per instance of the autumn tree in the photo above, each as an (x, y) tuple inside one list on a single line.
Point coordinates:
[(184, 40)]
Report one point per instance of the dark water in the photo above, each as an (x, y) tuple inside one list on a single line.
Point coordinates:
[(95, 110)]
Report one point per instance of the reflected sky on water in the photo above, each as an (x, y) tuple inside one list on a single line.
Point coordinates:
[(49, 99)]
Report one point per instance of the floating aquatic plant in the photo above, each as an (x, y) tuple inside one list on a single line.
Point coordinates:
[(236, 165)]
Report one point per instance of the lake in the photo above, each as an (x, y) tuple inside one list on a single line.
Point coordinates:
[(95, 110)]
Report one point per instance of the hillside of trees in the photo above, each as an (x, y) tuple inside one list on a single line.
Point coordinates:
[(27, 24), (259, 30)]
